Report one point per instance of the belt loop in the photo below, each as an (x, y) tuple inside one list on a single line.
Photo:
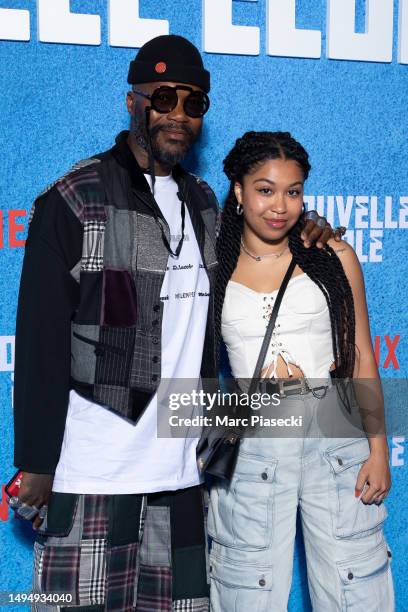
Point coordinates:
[(281, 389)]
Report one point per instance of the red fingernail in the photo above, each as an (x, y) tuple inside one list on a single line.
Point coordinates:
[(357, 492)]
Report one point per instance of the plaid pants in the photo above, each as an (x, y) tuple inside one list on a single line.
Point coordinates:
[(139, 553)]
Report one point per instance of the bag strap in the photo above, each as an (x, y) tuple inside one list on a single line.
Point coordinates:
[(270, 328)]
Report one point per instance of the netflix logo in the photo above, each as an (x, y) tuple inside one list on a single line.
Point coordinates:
[(385, 348)]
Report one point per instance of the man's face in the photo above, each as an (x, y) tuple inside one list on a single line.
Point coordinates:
[(171, 134)]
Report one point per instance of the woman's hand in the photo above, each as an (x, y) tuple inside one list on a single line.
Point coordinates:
[(375, 474)]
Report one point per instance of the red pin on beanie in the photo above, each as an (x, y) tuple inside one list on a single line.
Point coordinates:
[(172, 55), (161, 67)]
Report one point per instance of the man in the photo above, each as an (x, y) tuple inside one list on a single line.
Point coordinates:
[(116, 295)]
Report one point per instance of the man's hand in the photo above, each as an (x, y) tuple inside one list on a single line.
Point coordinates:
[(35, 490), (318, 230)]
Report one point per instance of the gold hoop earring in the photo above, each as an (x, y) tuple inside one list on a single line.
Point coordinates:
[(240, 209)]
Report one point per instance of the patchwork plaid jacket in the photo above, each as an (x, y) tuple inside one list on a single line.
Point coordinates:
[(89, 313)]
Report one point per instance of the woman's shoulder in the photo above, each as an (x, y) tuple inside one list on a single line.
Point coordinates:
[(347, 256), (340, 246), (342, 249)]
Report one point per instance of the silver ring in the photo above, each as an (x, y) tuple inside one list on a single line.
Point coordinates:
[(321, 222), (312, 215), (14, 502), (379, 500), (27, 512)]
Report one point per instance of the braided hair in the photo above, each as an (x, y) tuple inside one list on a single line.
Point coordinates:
[(321, 265)]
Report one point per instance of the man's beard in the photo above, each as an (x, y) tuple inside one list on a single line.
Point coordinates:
[(165, 157), (174, 156)]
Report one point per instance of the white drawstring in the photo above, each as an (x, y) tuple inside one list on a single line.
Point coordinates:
[(287, 358)]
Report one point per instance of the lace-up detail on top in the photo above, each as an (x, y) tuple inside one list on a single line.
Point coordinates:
[(302, 334)]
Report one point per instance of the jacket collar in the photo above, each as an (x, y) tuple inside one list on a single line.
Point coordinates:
[(124, 156), (186, 183)]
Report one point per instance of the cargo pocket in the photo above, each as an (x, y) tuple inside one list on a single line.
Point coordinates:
[(239, 588), (59, 540), (241, 515), (351, 516), (367, 581), (63, 519)]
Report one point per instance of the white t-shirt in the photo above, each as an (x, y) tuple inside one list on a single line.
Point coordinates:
[(103, 453)]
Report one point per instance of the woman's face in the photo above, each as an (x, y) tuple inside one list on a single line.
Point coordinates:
[(272, 199)]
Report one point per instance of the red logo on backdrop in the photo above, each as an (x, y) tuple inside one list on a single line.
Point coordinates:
[(390, 346), (3, 505), (11, 228), (161, 67)]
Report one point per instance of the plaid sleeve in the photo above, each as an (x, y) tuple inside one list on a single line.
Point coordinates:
[(212, 198), (47, 299)]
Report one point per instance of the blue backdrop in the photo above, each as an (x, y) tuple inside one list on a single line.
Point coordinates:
[(63, 102)]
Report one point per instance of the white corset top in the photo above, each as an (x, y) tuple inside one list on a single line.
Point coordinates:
[(302, 334)]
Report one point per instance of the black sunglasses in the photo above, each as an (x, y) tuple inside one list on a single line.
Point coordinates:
[(164, 99)]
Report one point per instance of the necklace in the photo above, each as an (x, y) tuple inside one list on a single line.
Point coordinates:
[(261, 257)]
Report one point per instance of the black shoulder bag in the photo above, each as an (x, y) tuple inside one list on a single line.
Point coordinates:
[(217, 455)]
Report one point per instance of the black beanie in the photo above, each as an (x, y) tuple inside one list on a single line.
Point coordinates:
[(169, 58)]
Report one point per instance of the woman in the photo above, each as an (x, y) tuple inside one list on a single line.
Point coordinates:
[(338, 482)]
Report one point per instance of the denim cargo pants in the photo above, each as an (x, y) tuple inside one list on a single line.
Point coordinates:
[(252, 524)]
